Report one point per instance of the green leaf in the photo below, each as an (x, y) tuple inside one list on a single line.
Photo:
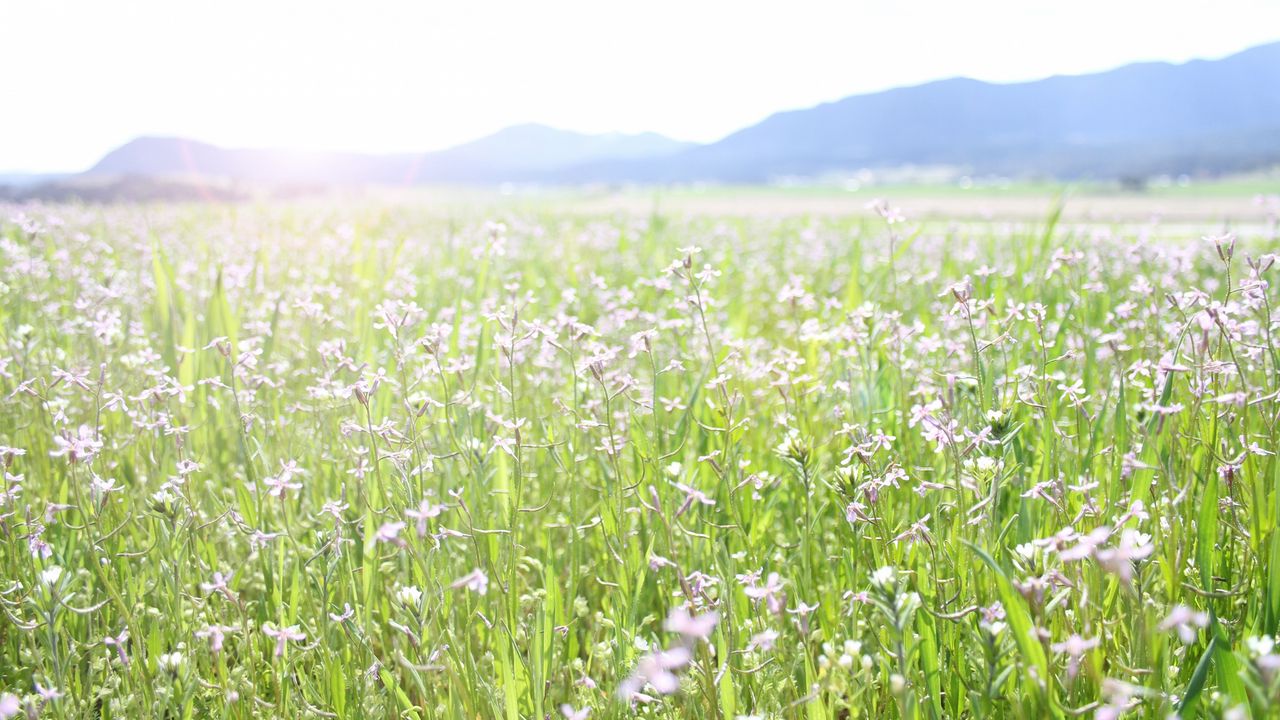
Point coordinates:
[(1186, 708), (1019, 618), (1207, 531)]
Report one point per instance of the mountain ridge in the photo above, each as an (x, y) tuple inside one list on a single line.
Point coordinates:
[(1200, 116), (1017, 128)]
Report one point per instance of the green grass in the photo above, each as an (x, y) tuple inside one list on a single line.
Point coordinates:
[(920, 472), (1235, 186)]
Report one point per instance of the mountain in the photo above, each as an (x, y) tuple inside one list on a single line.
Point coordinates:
[(21, 179), (1202, 117), (180, 157), (515, 153), (523, 151), (1146, 118)]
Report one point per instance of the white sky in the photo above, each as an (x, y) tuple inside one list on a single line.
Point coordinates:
[(79, 77)]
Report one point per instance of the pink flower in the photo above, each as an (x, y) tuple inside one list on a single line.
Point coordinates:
[(1186, 621), (655, 670), (10, 706), (283, 635), (692, 495), (426, 511), (1133, 545), (119, 642), (803, 611), (1075, 647), (657, 562), (216, 634), (282, 483), (770, 592), (855, 512), (763, 640), (219, 585), (81, 447), (390, 533), (1086, 544), (692, 628), (475, 581)]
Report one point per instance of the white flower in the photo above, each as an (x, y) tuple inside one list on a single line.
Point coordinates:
[(409, 595), (1260, 645), (171, 661), (51, 575), (885, 577)]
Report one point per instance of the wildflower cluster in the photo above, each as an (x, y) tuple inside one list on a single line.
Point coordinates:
[(376, 461)]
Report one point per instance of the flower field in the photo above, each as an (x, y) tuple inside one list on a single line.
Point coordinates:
[(369, 461)]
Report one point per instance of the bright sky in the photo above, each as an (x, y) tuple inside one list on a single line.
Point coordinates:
[(82, 76)]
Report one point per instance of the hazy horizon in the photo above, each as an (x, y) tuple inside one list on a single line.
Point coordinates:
[(394, 78)]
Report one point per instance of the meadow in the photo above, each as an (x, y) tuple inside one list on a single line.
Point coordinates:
[(370, 460)]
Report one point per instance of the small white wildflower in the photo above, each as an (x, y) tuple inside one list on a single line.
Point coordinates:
[(885, 577), (409, 595), (50, 576), (1260, 645), (171, 662)]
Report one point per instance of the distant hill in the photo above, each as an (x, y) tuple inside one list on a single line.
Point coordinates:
[(529, 151), (1147, 118), (518, 152), (1202, 117), (21, 179)]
